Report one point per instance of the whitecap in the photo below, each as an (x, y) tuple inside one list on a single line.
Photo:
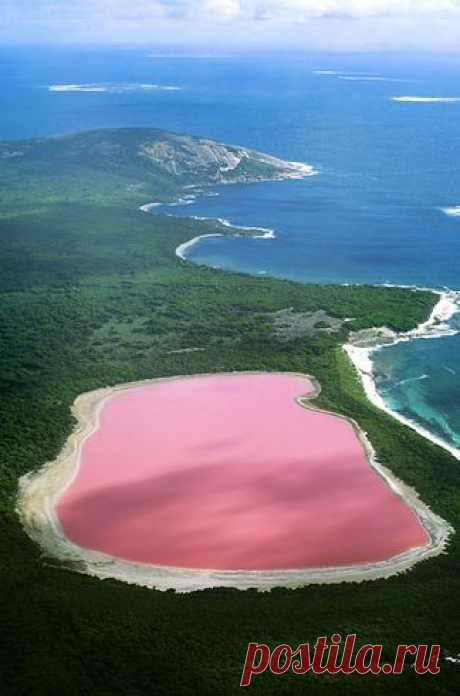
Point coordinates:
[(427, 100), (360, 77), (147, 207), (453, 211), (327, 72), (371, 78), (185, 200), (270, 234), (112, 87), (408, 380), (265, 232), (190, 55)]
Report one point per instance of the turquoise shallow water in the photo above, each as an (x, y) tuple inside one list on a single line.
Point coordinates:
[(374, 212), (421, 380)]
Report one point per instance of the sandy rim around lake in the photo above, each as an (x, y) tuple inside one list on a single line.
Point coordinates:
[(39, 492)]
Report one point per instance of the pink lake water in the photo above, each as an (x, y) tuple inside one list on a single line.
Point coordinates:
[(229, 472)]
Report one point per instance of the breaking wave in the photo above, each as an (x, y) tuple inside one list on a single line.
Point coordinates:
[(453, 211), (427, 100), (112, 87)]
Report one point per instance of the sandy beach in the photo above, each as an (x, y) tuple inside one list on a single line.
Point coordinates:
[(40, 491), (252, 232), (360, 355), (182, 248)]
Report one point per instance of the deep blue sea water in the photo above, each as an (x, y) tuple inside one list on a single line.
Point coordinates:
[(373, 213)]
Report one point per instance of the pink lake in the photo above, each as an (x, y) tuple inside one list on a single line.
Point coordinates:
[(229, 472)]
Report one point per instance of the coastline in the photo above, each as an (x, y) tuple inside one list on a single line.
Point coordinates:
[(292, 170), (182, 248), (301, 170), (266, 233), (39, 492), (284, 170), (360, 355)]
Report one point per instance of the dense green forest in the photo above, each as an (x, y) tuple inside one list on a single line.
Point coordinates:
[(93, 295)]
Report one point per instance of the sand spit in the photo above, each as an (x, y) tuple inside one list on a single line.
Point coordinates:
[(364, 343), (182, 248), (250, 232), (39, 492)]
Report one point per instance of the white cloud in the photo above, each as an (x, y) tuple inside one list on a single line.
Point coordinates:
[(302, 10), (216, 9), (229, 10), (311, 22)]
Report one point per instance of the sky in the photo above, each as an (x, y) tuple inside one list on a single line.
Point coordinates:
[(310, 24)]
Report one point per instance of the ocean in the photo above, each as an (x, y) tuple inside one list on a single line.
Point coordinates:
[(382, 132)]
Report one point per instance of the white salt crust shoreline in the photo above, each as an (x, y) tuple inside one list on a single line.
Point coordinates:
[(435, 327), (39, 492)]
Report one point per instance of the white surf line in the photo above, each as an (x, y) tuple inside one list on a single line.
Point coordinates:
[(266, 232), (149, 206), (361, 77), (300, 170), (371, 78), (447, 306), (408, 380), (189, 56), (182, 248), (40, 491), (435, 327), (292, 170), (327, 72), (113, 87), (188, 199), (426, 100), (452, 211), (180, 251)]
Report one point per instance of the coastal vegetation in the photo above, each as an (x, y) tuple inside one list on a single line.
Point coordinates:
[(93, 295)]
